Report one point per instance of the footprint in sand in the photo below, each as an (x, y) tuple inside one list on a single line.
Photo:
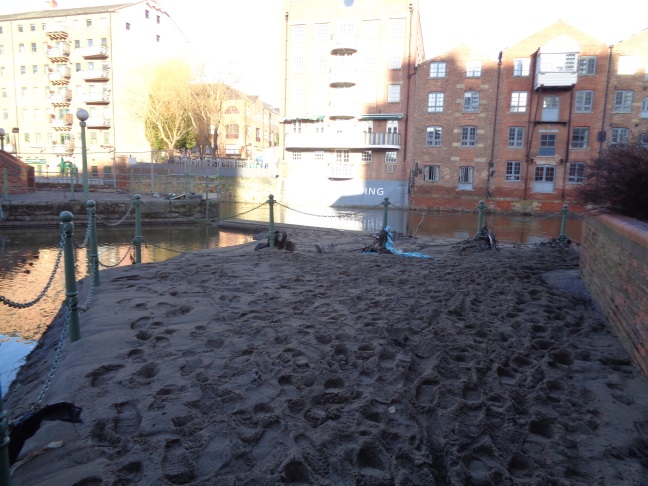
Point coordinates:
[(128, 419), (103, 374), (177, 465)]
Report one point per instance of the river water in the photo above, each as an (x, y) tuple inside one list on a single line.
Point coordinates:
[(28, 256)]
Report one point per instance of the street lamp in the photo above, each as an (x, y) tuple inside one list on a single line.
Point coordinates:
[(82, 115), (2, 134)]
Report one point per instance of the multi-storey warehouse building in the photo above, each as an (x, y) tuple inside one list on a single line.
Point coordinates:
[(55, 61), (347, 83), (520, 132)]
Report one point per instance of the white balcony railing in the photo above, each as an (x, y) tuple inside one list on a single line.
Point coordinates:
[(98, 122), (56, 30), (93, 52), (95, 74), (344, 44), (61, 98), (59, 51)]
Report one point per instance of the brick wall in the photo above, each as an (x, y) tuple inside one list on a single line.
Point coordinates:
[(614, 267)]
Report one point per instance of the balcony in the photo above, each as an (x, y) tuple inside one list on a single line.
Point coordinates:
[(102, 98), (56, 31), (343, 44), (60, 53), (342, 77), (60, 77), (61, 99), (63, 124), (66, 148), (95, 75), (382, 140), (93, 52), (99, 123)]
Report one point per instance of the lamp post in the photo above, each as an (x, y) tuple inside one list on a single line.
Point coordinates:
[(2, 134), (82, 115)]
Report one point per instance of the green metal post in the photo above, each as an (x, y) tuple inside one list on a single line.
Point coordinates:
[(206, 197), (563, 224), (168, 181), (67, 227), (4, 445), (137, 241), (93, 252), (186, 184), (84, 159), (71, 185), (5, 185), (271, 230), (480, 221), (385, 203), (132, 181)]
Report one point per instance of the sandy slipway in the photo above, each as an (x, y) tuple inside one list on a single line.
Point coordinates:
[(236, 367)]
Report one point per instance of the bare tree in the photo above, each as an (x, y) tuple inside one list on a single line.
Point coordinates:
[(206, 113)]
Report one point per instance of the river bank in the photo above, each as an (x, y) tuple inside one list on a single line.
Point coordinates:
[(270, 367)]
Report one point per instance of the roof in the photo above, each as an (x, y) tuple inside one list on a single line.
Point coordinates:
[(65, 12), (11, 162)]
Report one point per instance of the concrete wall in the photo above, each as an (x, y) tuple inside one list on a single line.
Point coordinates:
[(614, 267)]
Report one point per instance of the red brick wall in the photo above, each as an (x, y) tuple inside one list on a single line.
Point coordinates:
[(614, 267)]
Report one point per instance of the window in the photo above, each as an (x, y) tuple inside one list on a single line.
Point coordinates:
[(550, 108), (580, 138), (623, 101), (342, 156), (518, 101), (33, 47), (23, 92), (466, 178), (32, 27), (104, 42), (20, 28), (396, 27), (435, 102), (93, 137), (587, 66), (321, 63), (298, 63), (2, 71), (258, 134), (628, 64), (319, 155), (576, 173), (644, 108), (107, 170), (395, 60), (322, 32), (21, 48), (521, 66), (23, 70), (232, 110), (547, 144), (1, 49), (437, 69), (77, 66), (26, 137), (513, 170), (584, 101), (298, 33), (157, 38), (157, 19), (473, 69), (146, 14), (367, 157), (619, 137), (643, 139), (471, 102), (390, 157), (431, 173), (89, 42), (393, 93), (516, 137), (433, 136), (4, 92), (232, 131), (127, 26), (297, 155), (392, 126), (77, 43), (468, 136), (34, 69), (297, 126), (88, 23)]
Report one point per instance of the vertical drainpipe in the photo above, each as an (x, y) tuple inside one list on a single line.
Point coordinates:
[(495, 119), (407, 99), (605, 98), (569, 122), (531, 129)]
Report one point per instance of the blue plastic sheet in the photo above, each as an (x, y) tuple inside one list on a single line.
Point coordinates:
[(395, 251)]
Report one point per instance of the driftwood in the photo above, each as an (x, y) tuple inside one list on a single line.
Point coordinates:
[(281, 242)]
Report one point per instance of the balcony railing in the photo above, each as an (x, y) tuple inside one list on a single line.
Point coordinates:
[(100, 122), (64, 123), (64, 148), (102, 98), (344, 44), (56, 30), (342, 77), (61, 99), (60, 53), (386, 141), (340, 171), (95, 75), (93, 52), (60, 77)]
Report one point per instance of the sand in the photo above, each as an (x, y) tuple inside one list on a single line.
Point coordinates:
[(243, 367)]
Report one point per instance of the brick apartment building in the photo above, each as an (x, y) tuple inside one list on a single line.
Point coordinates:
[(347, 86), (520, 132)]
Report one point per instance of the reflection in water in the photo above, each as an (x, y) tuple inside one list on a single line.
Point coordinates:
[(28, 256)]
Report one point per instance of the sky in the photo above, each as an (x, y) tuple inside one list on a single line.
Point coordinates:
[(213, 26)]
